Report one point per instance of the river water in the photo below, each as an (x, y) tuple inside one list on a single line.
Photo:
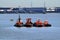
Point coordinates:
[(9, 32)]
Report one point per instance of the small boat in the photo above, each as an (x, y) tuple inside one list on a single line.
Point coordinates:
[(19, 23)]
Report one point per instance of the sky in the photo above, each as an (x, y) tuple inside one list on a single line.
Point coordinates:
[(27, 3)]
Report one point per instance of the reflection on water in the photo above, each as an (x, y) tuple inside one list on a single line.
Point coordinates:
[(8, 31)]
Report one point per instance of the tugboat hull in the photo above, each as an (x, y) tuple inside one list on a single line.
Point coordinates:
[(27, 25), (48, 25), (18, 25), (37, 25)]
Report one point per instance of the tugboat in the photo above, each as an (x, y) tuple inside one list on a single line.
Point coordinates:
[(28, 23), (19, 23), (38, 23), (46, 24)]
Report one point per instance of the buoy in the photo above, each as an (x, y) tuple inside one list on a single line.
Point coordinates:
[(11, 19)]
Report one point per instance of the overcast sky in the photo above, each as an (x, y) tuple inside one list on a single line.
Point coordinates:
[(27, 3)]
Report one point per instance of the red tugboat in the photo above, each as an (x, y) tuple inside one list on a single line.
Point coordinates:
[(28, 23), (38, 23), (46, 24), (19, 23)]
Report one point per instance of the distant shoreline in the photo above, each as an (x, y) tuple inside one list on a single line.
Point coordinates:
[(29, 10)]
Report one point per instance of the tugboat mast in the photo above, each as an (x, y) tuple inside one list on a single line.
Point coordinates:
[(19, 14), (19, 18)]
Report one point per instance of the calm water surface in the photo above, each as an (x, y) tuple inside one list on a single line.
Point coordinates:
[(9, 32)]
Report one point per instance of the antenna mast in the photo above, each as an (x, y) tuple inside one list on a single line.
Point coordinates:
[(44, 11), (19, 14), (31, 7)]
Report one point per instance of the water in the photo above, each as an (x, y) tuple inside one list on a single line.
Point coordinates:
[(9, 32)]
